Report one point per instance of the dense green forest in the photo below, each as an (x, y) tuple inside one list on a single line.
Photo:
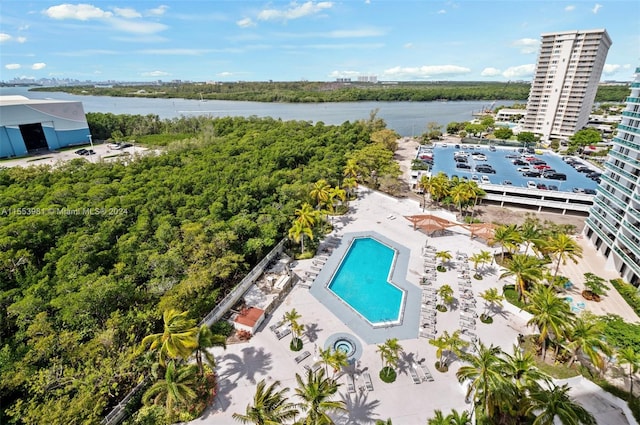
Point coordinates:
[(92, 254), (311, 92)]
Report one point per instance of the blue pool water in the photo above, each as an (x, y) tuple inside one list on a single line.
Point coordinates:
[(361, 281), (505, 170)]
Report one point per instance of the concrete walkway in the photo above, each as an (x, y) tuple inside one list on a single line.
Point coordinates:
[(241, 366)]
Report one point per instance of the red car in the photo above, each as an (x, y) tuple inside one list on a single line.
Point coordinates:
[(542, 167), (530, 158)]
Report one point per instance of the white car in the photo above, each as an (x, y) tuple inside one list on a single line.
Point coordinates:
[(479, 157), (475, 178), (531, 184), (523, 169), (485, 180)]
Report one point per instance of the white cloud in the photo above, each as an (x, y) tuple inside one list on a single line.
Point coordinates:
[(155, 74), (569, 8), (81, 12), (408, 45), (426, 71), (490, 72), (224, 74), (38, 65), (610, 69), (13, 66), (23, 27), (4, 37), (441, 12), (21, 40), (178, 52), (245, 23), (520, 71), (596, 8), (157, 11), (127, 12), (527, 45), (138, 27), (295, 11)]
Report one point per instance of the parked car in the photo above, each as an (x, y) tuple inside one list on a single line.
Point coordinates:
[(463, 165), (556, 176), (531, 173), (457, 146), (552, 187), (589, 191), (524, 169), (531, 184), (542, 167), (519, 162), (81, 152), (485, 169), (479, 157), (512, 156), (583, 169), (485, 180), (492, 148), (578, 190), (507, 182), (460, 159), (475, 178), (594, 175), (547, 172), (541, 186)]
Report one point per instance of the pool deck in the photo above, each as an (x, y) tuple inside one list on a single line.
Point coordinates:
[(241, 366)]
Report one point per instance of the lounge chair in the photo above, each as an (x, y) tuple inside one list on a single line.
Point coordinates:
[(351, 384), (302, 356), (367, 381), (281, 334), (427, 373), (414, 374)]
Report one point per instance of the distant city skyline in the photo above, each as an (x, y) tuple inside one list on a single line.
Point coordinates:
[(305, 40)]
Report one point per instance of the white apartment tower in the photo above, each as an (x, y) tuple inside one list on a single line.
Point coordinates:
[(565, 82), (613, 225)]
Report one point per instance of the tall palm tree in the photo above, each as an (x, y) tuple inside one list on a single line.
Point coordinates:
[(351, 169), (629, 356), (270, 406), (439, 187), (526, 269), (338, 360), (175, 390), (492, 298), (349, 184), (585, 335), (297, 232), (550, 313), (555, 402), (531, 234), (389, 354), (207, 339), (424, 184), (463, 418), (306, 215), (455, 342), (521, 371), (564, 248), (446, 294), (508, 237), (481, 257), (178, 339), (487, 387), (461, 193), (320, 192), (335, 193), (316, 394), (441, 345)]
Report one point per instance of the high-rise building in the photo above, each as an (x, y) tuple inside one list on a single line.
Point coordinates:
[(565, 82), (613, 225)]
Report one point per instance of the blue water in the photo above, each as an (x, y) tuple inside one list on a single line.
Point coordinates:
[(362, 281), (505, 170)]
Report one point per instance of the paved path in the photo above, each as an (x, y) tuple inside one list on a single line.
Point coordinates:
[(241, 366)]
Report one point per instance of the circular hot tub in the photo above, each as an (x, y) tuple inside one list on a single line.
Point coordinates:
[(346, 343)]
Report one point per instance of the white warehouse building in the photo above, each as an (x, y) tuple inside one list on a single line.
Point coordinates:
[(29, 126)]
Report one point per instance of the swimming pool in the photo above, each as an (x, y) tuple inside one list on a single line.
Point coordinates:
[(363, 282)]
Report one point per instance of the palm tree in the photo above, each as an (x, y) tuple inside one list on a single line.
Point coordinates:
[(176, 389), (487, 385), (507, 236), (456, 418), (335, 193), (563, 247), (455, 342), (439, 418), (178, 339), (556, 403), (441, 345), (531, 233), (424, 184), (481, 257), (461, 193), (446, 294), (351, 169), (291, 317), (586, 336), (521, 368), (526, 270), (439, 186), (320, 192), (444, 256), (297, 232), (316, 395), (629, 356), (550, 313), (492, 298), (207, 339), (306, 215), (349, 184), (338, 360), (389, 354), (270, 407)]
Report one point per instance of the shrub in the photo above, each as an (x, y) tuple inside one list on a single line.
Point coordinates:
[(223, 327), (295, 344), (629, 293), (388, 375)]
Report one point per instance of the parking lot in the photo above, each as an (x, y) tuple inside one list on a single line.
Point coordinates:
[(501, 161)]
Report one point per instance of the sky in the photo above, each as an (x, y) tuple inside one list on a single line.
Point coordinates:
[(233, 40)]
